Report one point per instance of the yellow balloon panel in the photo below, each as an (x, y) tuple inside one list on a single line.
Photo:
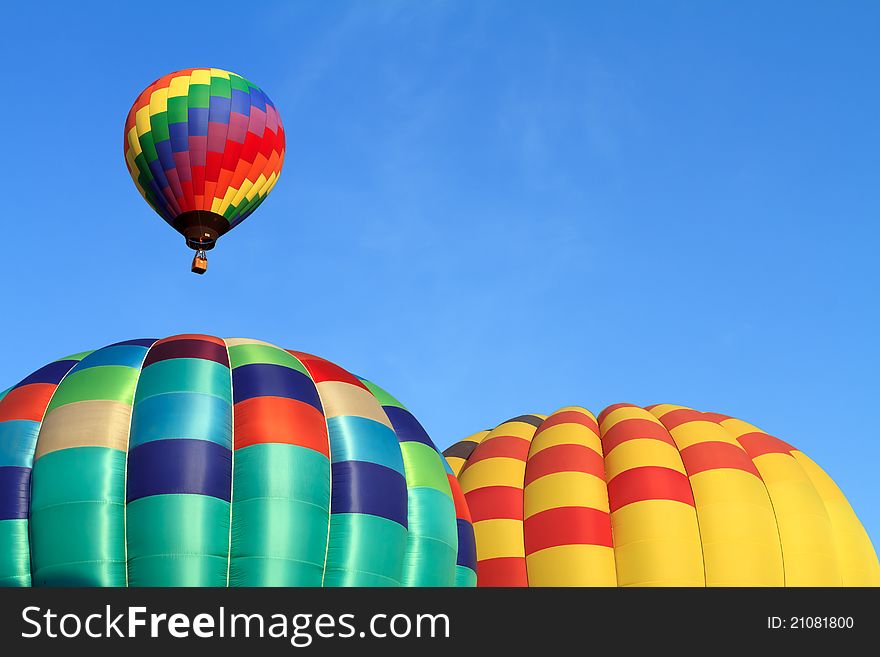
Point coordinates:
[(501, 537), (855, 553), (497, 471), (572, 565), (738, 530), (566, 434), (657, 543), (803, 523), (565, 489), (642, 452)]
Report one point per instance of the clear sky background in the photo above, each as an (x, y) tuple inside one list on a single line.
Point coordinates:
[(488, 208)]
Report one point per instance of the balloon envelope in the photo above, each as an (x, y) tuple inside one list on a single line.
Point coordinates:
[(197, 461), (204, 147), (657, 496)]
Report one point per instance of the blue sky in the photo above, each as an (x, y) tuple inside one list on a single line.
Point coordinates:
[(488, 208)]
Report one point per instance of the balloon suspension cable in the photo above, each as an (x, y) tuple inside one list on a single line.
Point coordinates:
[(200, 262)]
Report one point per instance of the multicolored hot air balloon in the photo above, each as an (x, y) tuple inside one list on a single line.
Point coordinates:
[(197, 461), (204, 147), (656, 496)]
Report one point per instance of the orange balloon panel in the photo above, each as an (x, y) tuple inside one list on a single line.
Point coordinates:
[(656, 496)]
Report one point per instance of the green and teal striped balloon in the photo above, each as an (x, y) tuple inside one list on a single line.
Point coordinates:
[(198, 461)]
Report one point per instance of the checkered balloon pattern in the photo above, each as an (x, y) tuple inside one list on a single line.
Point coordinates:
[(204, 139)]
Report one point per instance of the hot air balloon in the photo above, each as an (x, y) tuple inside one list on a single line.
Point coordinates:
[(197, 461), (656, 496), (204, 147)]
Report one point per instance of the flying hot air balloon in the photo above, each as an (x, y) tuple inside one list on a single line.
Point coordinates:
[(204, 147)]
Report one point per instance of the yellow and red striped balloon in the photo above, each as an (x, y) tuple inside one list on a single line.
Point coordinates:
[(656, 496)]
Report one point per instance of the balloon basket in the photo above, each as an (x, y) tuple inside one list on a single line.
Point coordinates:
[(199, 263)]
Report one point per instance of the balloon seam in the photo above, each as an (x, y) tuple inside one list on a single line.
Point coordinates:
[(231, 463)]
